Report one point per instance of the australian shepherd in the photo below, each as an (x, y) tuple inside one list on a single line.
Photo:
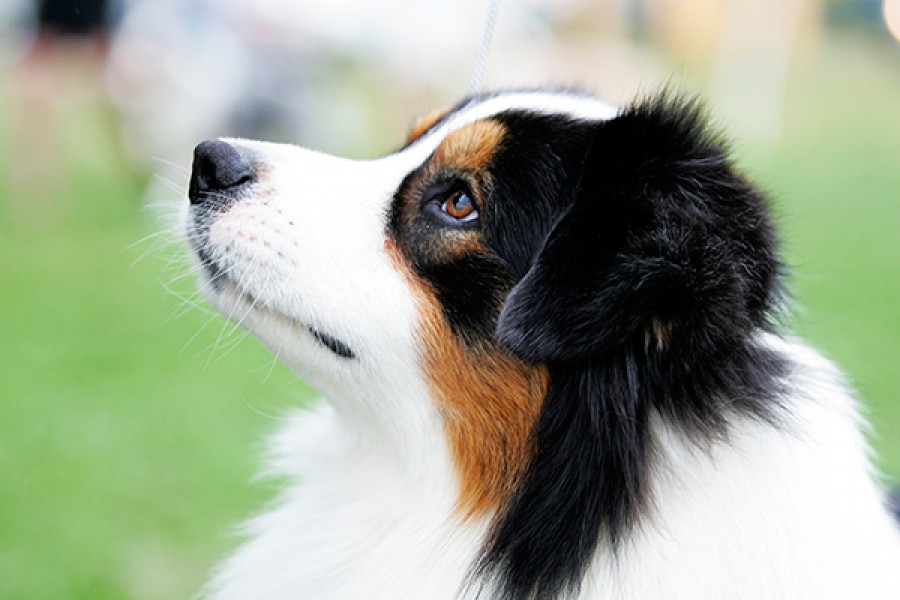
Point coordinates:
[(546, 330)]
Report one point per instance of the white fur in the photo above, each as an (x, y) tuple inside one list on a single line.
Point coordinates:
[(368, 508), (766, 515)]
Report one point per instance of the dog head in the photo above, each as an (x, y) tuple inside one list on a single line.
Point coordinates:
[(537, 272)]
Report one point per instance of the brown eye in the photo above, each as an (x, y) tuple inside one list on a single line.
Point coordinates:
[(460, 206)]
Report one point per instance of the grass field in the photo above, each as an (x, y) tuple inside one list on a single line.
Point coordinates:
[(128, 438)]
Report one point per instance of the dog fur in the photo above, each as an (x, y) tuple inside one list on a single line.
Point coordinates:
[(546, 330)]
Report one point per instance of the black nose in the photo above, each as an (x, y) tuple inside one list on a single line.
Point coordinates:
[(218, 167)]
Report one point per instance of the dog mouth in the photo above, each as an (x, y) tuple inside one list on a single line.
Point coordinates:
[(222, 283)]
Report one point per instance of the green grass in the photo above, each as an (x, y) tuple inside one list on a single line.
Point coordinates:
[(127, 442), (836, 183)]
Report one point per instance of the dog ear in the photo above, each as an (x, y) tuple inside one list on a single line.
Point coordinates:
[(642, 300), (663, 239)]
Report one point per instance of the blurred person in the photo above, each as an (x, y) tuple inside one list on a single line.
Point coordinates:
[(58, 75), (73, 18)]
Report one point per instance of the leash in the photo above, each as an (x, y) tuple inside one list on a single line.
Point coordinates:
[(486, 35)]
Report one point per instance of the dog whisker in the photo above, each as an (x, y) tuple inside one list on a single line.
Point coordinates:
[(173, 165), (198, 332)]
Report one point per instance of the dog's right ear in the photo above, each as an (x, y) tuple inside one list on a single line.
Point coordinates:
[(565, 308), (643, 300), (663, 239)]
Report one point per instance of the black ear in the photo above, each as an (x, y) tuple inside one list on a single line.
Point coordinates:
[(644, 301), (663, 239)]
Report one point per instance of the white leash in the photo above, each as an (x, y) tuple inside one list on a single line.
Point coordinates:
[(481, 57)]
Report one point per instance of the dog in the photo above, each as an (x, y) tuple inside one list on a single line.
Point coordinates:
[(548, 332)]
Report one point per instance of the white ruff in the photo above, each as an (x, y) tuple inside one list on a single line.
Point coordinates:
[(368, 506), (768, 515)]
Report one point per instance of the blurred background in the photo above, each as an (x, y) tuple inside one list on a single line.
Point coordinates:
[(131, 417)]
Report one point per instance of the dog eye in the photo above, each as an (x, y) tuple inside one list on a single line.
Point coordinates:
[(460, 206)]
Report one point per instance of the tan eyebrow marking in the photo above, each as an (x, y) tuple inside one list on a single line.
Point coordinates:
[(470, 148), (425, 123)]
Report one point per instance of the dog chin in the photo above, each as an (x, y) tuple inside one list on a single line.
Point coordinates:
[(276, 329)]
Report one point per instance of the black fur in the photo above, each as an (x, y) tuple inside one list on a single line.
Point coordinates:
[(632, 259), (535, 174), (644, 298), (468, 290)]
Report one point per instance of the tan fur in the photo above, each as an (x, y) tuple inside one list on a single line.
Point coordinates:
[(425, 123), (458, 244), (470, 148), (489, 400)]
